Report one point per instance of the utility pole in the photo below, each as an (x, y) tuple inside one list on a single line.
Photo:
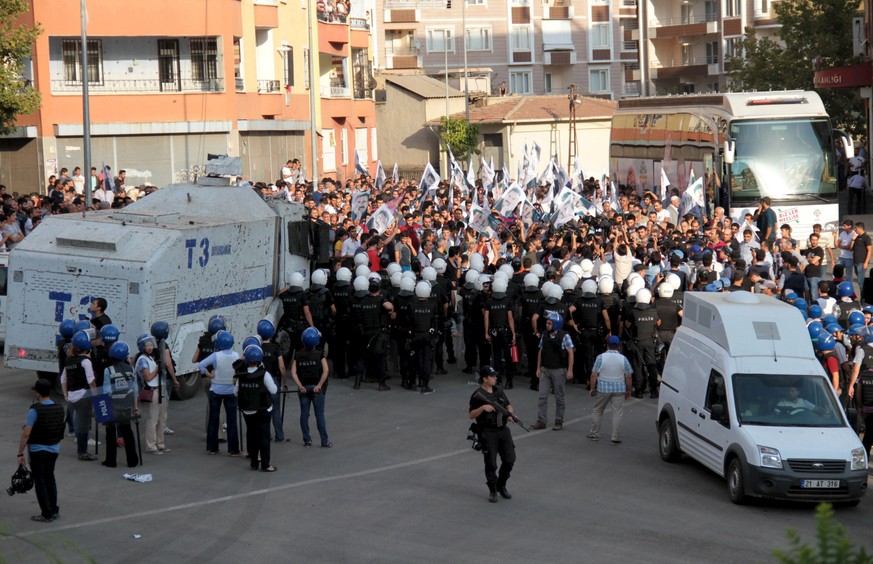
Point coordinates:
[(464, 35), (574, 101), (312, 115), (86, 110)]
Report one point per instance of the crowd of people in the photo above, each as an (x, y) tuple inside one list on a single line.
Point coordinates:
[(532, 295)]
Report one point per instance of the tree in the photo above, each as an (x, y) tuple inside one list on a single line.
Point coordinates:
[(461, 136), (812, 31), (16, 41), (832, 546)]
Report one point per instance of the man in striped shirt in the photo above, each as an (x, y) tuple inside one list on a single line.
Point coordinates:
[(610, 384)]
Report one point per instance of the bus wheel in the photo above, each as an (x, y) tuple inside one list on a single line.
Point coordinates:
[(188, 385)]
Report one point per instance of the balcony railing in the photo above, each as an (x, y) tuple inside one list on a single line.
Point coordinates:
[(359, 23), (401, 51), (240, 85), (631, 89), (336, 92), (685, 62), (630, 46), (267, 86), (134, 86), (692, 19)]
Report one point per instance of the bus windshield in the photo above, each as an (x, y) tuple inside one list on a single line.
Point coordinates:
[(786, 159)]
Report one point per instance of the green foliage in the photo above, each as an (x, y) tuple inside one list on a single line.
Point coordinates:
[(16, 42), (812, 30), (832, 547), (461, 136)]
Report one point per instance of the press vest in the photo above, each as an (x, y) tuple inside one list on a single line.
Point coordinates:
[(553, 353), (49, 426)]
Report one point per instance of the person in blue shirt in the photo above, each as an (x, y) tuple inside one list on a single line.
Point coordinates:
[(610, 384), (219, 367), (41, 435)]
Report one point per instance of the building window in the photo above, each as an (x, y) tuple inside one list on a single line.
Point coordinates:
[(519, 82), (72, 56), (732, 48), (686, 54), (547, 83), (440, 41), (288, 66), (598, 80), (600, 36), (765, 6), (712, 52), (362, 78), (478, 39), (688, 88), (520, 38), (204, 59), (686, 14), (521, 2), (475, 2), (712, 86), (733, 8), (711, 10), (168, 64)]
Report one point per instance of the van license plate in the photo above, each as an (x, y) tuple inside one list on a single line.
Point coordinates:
[(819, 483)]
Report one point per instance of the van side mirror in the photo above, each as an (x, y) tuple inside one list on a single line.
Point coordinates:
[(716, 412), (852, 414)]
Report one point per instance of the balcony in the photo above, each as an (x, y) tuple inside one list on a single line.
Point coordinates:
[(240, 85), (359, 23), (690, 26), (268, 86), (674, 68), (402, 59), (336, 91), (138, 86), (631, 90), (559, 58)]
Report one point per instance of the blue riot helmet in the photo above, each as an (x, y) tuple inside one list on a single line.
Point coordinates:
[(801, 304), (160, 330), (845, 289), (815, 329), (311, 337), (143, 340), (556, 319), (266, 330), (253, 353), (82, 341), (826, 342), (858, 330), (223, 341), (216, 324), (815, 311), (83, 325), (67, 328), (834, 328), (119, 351), (829, 319), (856, 318), (109, 334), (251, 340)]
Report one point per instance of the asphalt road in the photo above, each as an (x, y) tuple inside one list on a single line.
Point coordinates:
[(400, 485)]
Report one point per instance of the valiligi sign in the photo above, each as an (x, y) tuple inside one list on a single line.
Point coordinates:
[(854, 76)]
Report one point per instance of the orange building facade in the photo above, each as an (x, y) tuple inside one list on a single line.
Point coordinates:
[(173, 82)]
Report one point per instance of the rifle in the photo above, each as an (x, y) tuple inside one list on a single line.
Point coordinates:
[(502, 411)]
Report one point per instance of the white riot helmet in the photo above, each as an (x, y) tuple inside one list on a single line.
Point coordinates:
[(576, 270), (498, 287), (633, 288), (635, 276), (538, 270), (507, 269), (396, 278), (422, 290), (587, 268), (606, 285), (362, 259), (374, 277), (428, 273), (407, 285), (643, 297), (555, 292), (362, 270), (606, 269), (361, 284), (568, 282), (296, 280), (546, 288), (408, 274), (531, 280), (319, 278), (343, 275), (439, 265), (477, 262), (665, 290), (482, 280), (589, 288), (501, 275), (470, 277), (392, 268), (673, 280)]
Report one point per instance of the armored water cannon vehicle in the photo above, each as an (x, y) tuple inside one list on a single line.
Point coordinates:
[(180, 255)]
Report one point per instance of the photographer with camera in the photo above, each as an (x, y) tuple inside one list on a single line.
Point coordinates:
[(42, 434)]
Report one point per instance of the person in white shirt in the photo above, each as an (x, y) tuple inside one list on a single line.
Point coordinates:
[(351, 244), (78, 181)]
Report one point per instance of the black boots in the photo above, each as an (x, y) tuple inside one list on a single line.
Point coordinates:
[(357, 385), (504, 493), (492, 492)]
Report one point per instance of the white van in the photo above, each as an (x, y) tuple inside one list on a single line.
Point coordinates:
[(743, 394)]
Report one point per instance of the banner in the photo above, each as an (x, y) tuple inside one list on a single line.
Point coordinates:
[(380, 175), (509, 201), (478, 219), (360, 201), (395, 175), (381, 219), (359, 166)]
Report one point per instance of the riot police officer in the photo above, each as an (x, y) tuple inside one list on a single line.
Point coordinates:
[(401, 328), (445, 287), (863, 394), (205, 347), (500, 329), (369, 313), (494, 436), (439, 294), (669, 318), (342, 296), (319, 306), (256, 389), (274, 363), (77, 381), (643, 328), (424, 318), (309, 370), (470, 325), (590, 315), (530, 300), (119, 383), (294, 319)]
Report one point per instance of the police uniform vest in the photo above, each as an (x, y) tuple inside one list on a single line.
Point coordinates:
[(271, 360), (422, 314), (308, 366), (76, 378), (553, 353), (292, 306), (49, 426), (498, 312), (866, 382), (491, 420), (645, 323), (342, 298), (367, 313), (444, 285), (468, 302), (668, 313), (613, 308), (206, 345), (121, 379), (678, 298), (845, 309), (867, 363), (253, 394), (401, 307), (588, 310), (530, 301), (561, 309), (478, 315), (319, 308)]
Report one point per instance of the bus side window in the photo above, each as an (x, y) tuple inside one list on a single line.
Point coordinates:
[(4, 272)]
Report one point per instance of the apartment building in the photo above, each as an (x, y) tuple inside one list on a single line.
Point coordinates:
[(171, 82)]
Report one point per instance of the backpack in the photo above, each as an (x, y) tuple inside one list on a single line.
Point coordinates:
[(121, 393)]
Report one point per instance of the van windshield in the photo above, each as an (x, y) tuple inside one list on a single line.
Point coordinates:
[(785, 401)]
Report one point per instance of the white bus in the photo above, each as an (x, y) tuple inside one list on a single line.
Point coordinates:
[(744, 145)]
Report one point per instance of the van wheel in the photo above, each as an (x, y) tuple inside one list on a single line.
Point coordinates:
[(736, 482), (188, 385), (667, 441)]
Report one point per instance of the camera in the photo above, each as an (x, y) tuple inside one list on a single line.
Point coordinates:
[(472, 436), (597, 223)]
